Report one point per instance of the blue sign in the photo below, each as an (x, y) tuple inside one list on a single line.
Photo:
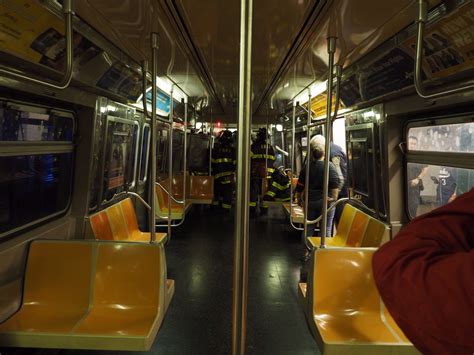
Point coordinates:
[(162, 102)]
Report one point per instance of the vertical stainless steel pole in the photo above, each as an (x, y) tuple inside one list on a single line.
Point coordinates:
[(308, 163), (185, 155), (170, 161), (211, 143), (331, 51), (241, 226), (154, 64)]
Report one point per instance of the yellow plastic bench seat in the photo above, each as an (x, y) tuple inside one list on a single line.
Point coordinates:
[(356, 229), (119, 222), (177, 209), (91, 295), (201, 189), (298, 213), (344, 309)]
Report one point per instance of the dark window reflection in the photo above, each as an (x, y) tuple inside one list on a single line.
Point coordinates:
[(33, 187), (32, 127)]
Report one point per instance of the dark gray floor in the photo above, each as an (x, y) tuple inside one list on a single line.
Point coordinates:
[(200, 258)]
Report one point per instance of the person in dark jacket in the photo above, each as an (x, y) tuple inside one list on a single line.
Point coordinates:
[(316, 180), (278, 186), (223, 169), (425, 278), (339, 159), (262, 158)]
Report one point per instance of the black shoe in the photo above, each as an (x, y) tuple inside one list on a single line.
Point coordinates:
[(303, 276), (306, 256)]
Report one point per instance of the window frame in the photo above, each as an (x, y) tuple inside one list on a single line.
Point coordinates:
[(463, 160), (20, 148)]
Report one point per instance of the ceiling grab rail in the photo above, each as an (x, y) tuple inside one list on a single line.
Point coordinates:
[(293, 166), (67, 77), (331, 52), (337, 98), (144, 82), (420, 89), (154, 54)]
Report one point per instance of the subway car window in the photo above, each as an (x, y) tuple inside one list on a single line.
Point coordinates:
[(456, 138), (17, 125), (431, 186), (35, 181), (121, 156), (33, 188), (144, 153)]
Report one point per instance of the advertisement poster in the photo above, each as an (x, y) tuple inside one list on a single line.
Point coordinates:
[(29, 31), (121, 80), (448, 44)]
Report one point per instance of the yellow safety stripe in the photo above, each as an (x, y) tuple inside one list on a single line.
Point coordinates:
[(271, 193), (223, 160), (253, 204), (270, 170), (261, 156), (280, 187), (283, 199), (224, 173), (224, 182), (225, 205)]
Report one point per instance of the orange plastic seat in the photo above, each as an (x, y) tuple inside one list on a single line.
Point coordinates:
[(297, 212), (119, 222), (177, 209), (344, 308), (201, 189), (91, 295), (355, 229)]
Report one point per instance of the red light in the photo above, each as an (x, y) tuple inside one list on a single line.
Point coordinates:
[(218, 124)]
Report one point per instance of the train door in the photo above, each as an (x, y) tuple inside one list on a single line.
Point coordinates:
[(365, 155)]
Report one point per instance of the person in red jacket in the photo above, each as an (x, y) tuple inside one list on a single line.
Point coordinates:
[(425, 277)]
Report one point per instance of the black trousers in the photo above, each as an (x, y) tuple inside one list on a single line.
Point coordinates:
[(223, 190), (255, 192)]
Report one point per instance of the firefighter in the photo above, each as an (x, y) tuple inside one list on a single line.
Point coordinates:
[(262, 158), (278, 186), (223, 169)]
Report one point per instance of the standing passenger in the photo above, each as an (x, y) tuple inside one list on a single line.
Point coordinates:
[(223, 169), (316, 181), (262, 158), (339, 159), (415, 175)]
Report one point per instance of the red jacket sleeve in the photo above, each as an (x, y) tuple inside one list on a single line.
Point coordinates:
[(425, 277)]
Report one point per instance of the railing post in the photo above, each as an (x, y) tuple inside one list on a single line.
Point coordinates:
[(241, 225), (170, 161), (331, 51), (293, 141), (308, 163), (154, 48)]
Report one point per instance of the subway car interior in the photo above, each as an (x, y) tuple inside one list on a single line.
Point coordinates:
[(153, 160)]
